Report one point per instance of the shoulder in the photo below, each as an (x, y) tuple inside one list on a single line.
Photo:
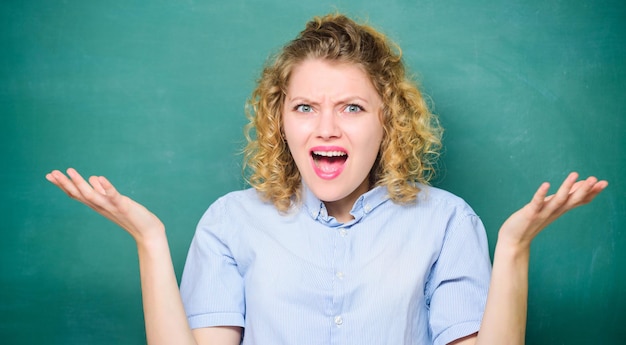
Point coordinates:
[(245, 198), (460, 224), (238, 210), (236, 207), (435, 211), (436, 198)]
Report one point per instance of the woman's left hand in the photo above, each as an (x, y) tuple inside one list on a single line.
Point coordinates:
[(522, 226)]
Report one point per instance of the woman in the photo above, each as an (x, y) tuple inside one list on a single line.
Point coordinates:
[(340, 240)]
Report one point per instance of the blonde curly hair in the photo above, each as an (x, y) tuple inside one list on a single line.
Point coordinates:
[(412, 135)]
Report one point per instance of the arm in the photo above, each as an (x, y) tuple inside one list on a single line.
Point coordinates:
[(504, 320), (165, 319)]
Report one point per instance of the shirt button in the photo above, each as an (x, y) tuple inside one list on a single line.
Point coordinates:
[(343, 232), (338, 321), (367, 208), (339, 275)]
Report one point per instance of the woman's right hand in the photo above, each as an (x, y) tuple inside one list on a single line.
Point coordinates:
[(100, 195)]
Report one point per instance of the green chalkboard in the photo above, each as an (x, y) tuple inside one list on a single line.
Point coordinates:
[(151, 94)]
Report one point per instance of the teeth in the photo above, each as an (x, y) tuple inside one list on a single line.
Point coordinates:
[(329, 153)]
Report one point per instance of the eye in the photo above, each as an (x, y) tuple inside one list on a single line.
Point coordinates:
[(353, 108), (304, 108)]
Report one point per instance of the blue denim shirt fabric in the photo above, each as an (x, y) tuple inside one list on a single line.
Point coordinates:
[(396, 274)]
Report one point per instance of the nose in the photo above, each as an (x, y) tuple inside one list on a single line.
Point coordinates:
[(328, 125)]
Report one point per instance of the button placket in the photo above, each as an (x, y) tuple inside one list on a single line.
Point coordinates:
[(341, 248), (338, 320)]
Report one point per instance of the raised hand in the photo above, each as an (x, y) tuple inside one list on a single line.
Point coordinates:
[(100, 195), (504, 320), (522, 226)]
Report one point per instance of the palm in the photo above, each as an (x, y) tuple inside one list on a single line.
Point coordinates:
[(522, 226), (100, 195)]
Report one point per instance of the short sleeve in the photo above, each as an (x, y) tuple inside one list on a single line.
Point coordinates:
[(459, 280), (212, 288)]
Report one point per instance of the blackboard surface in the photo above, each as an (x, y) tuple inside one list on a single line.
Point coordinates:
[(151, 94)]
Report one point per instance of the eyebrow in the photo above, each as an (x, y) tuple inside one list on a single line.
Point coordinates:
[(346, 100)]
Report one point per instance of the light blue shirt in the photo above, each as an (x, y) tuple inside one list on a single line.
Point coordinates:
[(414, 274)]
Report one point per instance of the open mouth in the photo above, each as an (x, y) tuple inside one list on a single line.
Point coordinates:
[(329, 162)]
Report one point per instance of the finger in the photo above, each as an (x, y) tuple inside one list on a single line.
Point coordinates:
[(564, 190), (577, 185), (97, 186), (108, 187), (85, 189), (579, 192), (539, 198), (66, 185), (595, 187), (601, 185), (50, 177), (55, 176)]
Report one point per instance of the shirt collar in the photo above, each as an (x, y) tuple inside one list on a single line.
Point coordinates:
[(364, 205)]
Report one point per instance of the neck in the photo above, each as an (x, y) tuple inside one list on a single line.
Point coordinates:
[(340, 209)]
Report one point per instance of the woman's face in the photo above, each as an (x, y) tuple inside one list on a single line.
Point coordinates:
[(331, 120)]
